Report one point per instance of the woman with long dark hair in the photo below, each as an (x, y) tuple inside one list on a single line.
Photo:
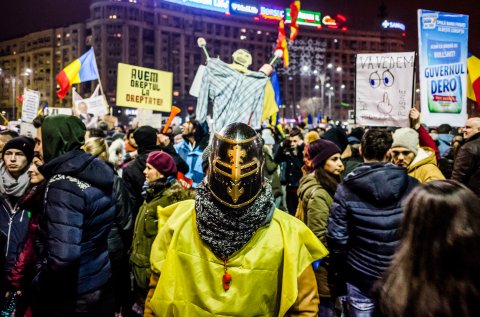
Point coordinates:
[(435, 271), (316, 193)]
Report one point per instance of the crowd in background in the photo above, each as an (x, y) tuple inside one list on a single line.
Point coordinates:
[(396, 208)]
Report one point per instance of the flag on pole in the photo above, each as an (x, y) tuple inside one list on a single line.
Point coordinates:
[(473, 78), (80, 70), (282, 43), (294, 10)]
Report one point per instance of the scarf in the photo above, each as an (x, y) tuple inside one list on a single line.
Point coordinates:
[(10, 185), (227, 230), (150, 190)]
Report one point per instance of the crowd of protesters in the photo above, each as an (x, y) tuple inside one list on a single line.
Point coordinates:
[(397, 209)]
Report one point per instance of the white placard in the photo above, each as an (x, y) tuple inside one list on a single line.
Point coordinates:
[(384, 88), (94, 105), (31, 102), (28, 129), (56, 111), (197, 81), (147, 117)]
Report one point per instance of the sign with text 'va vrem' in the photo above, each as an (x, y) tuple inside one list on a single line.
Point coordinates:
[(443, 49), (140, 87)]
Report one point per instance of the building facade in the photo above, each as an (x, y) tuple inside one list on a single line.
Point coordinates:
[(163, 35)]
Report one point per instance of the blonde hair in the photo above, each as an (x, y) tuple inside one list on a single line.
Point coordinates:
[(97, 147)]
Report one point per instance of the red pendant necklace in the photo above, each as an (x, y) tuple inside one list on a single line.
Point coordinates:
[(227, 278)]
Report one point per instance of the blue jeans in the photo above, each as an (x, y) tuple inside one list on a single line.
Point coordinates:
[(360, 305)]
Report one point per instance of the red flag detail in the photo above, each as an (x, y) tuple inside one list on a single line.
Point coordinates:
[(282, 43), (294, 10)]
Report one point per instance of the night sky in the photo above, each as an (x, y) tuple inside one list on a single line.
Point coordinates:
[(25, 16)]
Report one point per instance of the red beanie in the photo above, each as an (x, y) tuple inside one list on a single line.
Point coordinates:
[(163, 163)]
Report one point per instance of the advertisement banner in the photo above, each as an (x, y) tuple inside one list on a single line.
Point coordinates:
[(384, 88), (140, 87), (443, 50), (31, 102), (213, 5)]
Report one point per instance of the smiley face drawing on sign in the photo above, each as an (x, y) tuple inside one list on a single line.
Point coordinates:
[(386, 79)]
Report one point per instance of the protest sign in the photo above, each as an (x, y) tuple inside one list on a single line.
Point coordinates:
[(140, 87), (384, 88), (28, 129), (49, 111), (443, 50), (93, 105), (147, 117), (31, 102)]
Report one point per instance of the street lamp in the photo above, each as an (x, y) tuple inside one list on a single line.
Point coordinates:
[(330, 94)]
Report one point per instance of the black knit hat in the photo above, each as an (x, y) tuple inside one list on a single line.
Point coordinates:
[(22, 143), (337, 136), (145, 136)]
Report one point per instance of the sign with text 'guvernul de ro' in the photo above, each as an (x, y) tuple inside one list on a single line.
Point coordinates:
[(140, 87), (443, 50)]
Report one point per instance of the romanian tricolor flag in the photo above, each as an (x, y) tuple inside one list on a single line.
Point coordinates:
[(282, 43), (80, 70), (473, 78), (294, 10)]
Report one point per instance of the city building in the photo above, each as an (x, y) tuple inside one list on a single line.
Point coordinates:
[(163, 35)]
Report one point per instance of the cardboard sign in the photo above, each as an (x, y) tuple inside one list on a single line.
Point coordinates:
[(140, 87), (31, 102), (94, 105), (384, 88)]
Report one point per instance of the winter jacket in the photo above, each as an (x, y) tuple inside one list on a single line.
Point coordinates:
[(120, 236), (466, 167), (20, 274), (78, 213), (271, 168), (193, 158), (424, 166), (316, 203), (145, 229), (425, 140), (363, 228), (14, 222), (293, 169), (444, 144)]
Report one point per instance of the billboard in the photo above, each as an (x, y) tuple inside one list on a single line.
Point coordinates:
[(213, 5), (140, 87), (443, 50), (309, 18)]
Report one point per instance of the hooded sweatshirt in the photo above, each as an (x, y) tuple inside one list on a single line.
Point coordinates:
[(61, 134)]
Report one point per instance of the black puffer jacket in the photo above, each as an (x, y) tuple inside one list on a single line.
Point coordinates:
[(466, 167), (364, 223), (121, 235), (79, 211)]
